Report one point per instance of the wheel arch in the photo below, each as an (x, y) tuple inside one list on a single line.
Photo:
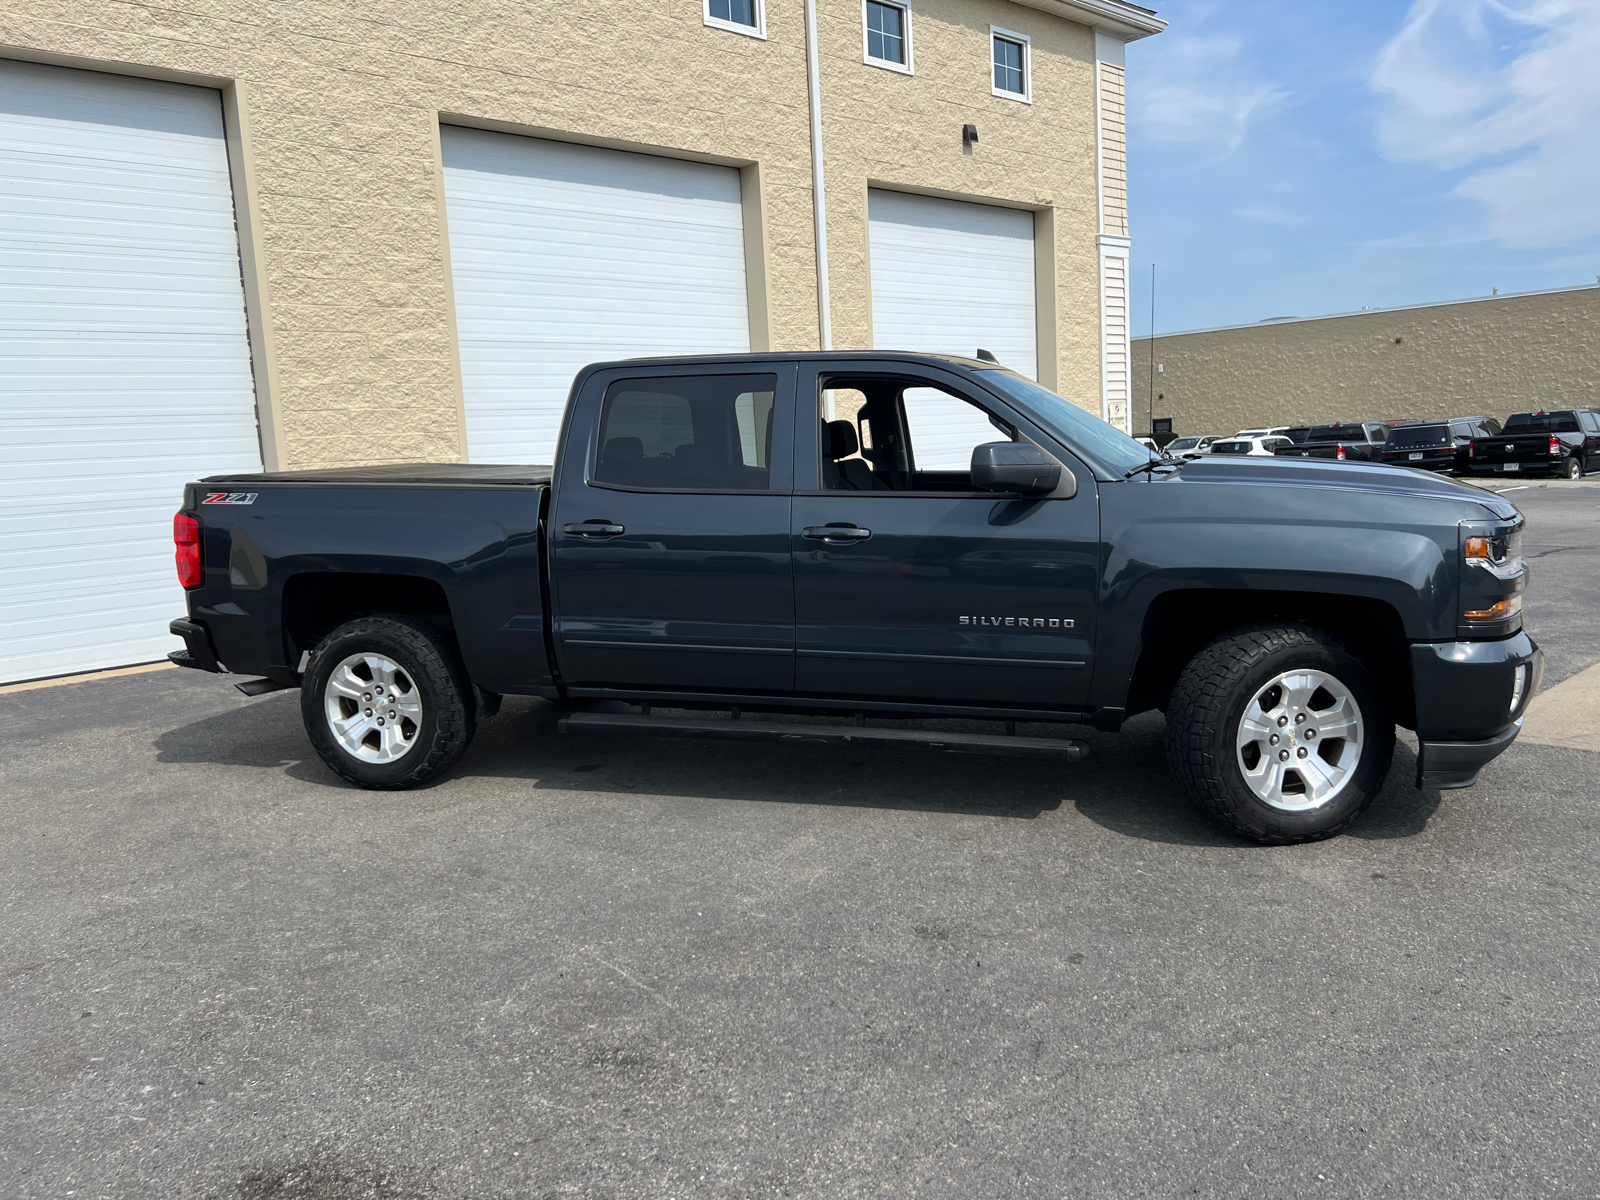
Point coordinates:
[(315, 603), (1178, 624)]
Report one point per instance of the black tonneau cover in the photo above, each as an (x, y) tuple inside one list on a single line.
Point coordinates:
[(401, 474)]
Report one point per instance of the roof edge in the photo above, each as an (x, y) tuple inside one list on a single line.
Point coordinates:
[(1274, 322), (1128, 21)]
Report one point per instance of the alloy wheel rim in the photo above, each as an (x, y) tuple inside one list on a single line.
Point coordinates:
[(1299, 741), (373, 708)]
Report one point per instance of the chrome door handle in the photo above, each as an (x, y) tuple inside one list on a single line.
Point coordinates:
[(836, 533), (594, 529)]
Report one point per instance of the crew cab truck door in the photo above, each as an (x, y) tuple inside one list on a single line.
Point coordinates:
[(669, 531), (912, 585)]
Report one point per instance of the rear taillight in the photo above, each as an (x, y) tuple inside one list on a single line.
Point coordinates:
[(1339, 454), (1472, 449), (186, 537), (1555, 444)]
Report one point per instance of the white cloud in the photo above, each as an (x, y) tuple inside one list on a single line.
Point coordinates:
[(1523, 119), (1195, 90)]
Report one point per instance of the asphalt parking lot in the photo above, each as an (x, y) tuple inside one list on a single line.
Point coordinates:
[(614, 968)]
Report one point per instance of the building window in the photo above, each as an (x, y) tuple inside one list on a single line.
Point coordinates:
[(742, 16), (886, 30), (1011, 65)]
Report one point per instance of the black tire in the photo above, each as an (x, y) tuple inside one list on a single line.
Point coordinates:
[(428, 662), (1208, 705), (1573, 468)]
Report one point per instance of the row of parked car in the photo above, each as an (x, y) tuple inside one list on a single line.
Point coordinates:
[(1562, 442)]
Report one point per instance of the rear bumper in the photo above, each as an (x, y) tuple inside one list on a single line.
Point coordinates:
[(197, 652), (1428, 462), (1534, 466), (1470, 699)]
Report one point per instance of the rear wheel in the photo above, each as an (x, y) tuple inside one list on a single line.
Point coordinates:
[(387, 702), (1280, 733), (1573, 467)]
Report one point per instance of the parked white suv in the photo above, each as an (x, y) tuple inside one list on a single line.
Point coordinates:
[(1273, 431), (1250, 447)]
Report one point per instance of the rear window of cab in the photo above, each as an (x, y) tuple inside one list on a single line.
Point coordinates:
[(1555, 422), (1421, 435)]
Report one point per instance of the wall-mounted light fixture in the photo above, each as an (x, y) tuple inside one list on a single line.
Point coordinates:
[(969, 135)]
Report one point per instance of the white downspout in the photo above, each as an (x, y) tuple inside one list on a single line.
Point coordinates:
[(819, 207)]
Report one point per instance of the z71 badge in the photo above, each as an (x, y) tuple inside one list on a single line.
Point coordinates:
[(1021, 622), (230, 498)]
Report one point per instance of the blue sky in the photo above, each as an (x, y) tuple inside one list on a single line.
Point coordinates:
[(1291, 159)]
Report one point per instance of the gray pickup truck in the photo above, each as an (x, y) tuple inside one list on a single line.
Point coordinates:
[(877, 535)]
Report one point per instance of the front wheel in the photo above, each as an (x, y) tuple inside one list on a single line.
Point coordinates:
[(387, 702), (1280, 733), (1573, 467)]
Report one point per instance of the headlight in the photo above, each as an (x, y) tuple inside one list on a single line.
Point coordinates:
[(1493, 577)]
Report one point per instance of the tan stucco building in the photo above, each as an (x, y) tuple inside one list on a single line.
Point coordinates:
[(305, 233), (1491, 356), (334, 112)]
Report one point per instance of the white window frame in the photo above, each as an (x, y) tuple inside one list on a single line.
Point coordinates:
[(1026, 42), (904, 68), (758, 30)]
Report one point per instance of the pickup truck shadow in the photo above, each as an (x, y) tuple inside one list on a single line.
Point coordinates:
[(1122, 786)]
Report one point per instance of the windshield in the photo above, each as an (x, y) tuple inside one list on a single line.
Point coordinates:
[(1556, 422), (1300, 433), (1182, 444), (1075, 427), (1421, 435)]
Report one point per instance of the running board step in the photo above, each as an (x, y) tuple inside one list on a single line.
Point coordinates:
[(854, 735), (260, 687)]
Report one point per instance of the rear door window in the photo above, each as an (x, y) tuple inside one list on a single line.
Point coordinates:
[(687, 433), (1589, 422)]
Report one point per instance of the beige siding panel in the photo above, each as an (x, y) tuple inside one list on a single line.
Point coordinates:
[(1114, 354), (1113, 150)]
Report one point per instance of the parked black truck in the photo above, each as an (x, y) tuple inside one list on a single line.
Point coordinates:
[(877, 535), (1565, 442), (1436, 445), (1349, 441)]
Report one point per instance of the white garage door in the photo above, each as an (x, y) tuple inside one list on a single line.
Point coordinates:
[(565, 255), (950, 277), (126, 361)]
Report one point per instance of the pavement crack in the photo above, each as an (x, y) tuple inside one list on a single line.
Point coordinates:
[(638, 983)]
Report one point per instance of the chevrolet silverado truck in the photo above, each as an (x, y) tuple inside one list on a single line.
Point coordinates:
[(1351, 441), (1564, 443), (726, 542)]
